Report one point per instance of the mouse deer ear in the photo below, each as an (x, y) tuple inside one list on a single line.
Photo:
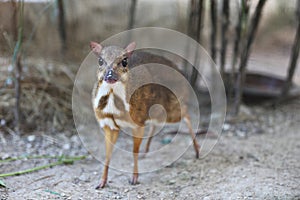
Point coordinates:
[(130, 48), (96, 48)]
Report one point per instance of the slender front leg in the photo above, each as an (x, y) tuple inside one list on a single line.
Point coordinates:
[(111, 137), (152, 130), (196, 145), (137, 134)]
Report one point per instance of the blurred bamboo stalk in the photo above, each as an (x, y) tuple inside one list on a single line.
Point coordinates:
[(198, 22), (16, 62), (245, 54), (132, 12), (213, 38), (224, 35), (62, 25), (293, 58), (240, 30), (191, 11)]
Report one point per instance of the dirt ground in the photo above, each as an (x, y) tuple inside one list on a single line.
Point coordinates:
[(257, 157)]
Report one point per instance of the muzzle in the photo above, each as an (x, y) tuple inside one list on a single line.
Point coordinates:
[(110, 76)]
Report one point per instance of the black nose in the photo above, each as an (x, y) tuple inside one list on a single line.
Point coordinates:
[(111, 76)]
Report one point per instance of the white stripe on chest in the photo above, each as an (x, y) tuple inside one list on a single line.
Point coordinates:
[(118, 89), (110, 107)]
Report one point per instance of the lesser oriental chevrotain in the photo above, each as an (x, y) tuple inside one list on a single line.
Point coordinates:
[(118, 104)]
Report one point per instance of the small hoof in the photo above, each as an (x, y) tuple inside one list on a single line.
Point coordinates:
[(134, 180), (197, 149), (101, 185)]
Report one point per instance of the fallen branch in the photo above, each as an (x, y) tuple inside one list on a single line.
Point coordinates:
[(32, 157), (61, 161)]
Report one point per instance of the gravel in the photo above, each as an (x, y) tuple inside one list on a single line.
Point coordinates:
[(257, 157)]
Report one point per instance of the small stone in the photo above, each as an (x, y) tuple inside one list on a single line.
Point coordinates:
[(230, 134), (139, 196), (2, 122), (84, 177), (4, 156), (226, 127), (241, 134), (75, 139), (67, 146), (185, 175), (171, 182), (166, 140), (126, 190), (10, 68), (28, 146), (114, 197), (31, 138), (245, 110)]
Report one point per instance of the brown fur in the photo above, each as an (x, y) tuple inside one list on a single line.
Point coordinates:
[(141, 93), (149, 95)]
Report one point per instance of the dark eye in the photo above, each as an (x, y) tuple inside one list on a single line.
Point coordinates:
[(124, 62), (100, 61)]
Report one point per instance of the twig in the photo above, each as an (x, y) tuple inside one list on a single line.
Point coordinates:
[(213, 37), (238, 30), (197, 34), (236, 48), (61, 25), (42, 178), (61, 161), (191, 11), (241, 30), (16, 62), (224, 35), (293, 59), (53, 192), (30, 157), (246, 52)]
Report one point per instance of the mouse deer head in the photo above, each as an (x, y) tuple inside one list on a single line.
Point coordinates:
[(112, 62)]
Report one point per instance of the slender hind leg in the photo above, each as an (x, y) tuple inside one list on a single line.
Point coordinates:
[(137, 134), (151, 131), (111, 137), (187, 120)]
